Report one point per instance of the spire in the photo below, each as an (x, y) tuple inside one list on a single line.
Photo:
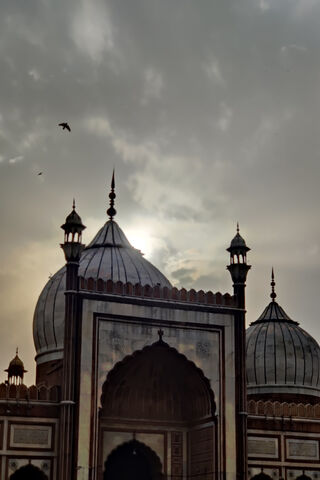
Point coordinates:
[(273, 295), (73, 204), (111, 210), (238, 229)]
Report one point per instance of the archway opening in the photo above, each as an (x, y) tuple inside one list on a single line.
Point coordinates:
[(133, 461), (153, 384), (159, 397), (261, 476), (28, 472)]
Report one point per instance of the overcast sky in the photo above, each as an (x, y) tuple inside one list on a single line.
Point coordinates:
[(210, 112)]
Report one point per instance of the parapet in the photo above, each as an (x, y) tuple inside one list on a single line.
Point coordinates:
[(29, 394), (283, 409), (157, 292)]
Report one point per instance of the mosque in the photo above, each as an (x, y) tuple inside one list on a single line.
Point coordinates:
[(136, 379)]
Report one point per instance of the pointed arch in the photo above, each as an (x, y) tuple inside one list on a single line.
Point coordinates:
[(153, 383)]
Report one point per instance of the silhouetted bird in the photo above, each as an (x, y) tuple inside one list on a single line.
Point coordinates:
[(40, 173), (64, 126)]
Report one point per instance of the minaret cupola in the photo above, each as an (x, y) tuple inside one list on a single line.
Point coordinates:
[(238, 250), (16, 371), (73, 228)]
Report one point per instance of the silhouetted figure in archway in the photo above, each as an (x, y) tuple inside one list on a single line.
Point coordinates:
[(28, 472)]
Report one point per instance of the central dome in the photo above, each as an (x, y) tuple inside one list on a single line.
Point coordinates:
[(108, 256)]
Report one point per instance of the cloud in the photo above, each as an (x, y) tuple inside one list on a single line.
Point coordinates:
[(225, 117), (213, 71), (286, 48), (92, 29), (264, 5), (33, 72), (16, 159), (153, 85)]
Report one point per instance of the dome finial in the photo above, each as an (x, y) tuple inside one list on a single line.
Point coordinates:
[(273, 294), (73, 204), (111, 210), (238, 229), (17, 351), (160, 333)]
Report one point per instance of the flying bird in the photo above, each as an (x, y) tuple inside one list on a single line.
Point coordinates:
[(40, 173), (64, 126)]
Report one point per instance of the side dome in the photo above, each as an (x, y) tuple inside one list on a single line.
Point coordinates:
[(282, 358), (108, 256)]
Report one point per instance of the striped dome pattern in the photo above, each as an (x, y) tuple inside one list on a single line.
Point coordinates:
[(108, 256), (282, 358)]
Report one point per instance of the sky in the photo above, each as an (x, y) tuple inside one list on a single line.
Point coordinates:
[(209, 112)]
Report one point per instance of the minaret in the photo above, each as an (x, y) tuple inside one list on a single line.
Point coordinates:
[(72, 248), (15, 371), (238, 269)]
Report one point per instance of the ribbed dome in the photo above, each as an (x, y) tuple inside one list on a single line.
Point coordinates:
[(282, 358), (108, 256)]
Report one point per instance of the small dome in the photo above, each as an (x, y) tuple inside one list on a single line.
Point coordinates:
[(282, 358), (73, 218), (73, 225), (238, 241), (108, 256), (16, 368)]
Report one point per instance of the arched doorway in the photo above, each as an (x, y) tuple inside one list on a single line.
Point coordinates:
[(28, 472), (157, 392), (261, 476), (133, 461)]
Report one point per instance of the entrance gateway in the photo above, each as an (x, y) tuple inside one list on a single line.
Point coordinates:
[(148, 395)]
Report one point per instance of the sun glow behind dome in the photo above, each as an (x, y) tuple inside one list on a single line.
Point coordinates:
[(141, 239)]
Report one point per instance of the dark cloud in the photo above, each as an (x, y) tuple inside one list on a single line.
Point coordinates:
[(210, 114)]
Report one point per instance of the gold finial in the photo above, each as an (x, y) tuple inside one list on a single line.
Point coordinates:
[(160, 333), (273, 294), (111, 210)]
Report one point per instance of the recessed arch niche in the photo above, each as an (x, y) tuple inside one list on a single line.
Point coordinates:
[(157, 383), (159, 389)]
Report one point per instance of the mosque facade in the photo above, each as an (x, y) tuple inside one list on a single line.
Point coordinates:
[(136, 379)]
